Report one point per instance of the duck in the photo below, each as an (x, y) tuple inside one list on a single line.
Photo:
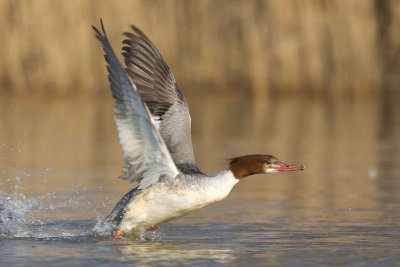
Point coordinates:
[(154, 129)]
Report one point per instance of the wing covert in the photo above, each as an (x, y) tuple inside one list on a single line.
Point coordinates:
[(157, 87)]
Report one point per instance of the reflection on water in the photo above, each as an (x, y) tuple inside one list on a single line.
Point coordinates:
[(59, 159)]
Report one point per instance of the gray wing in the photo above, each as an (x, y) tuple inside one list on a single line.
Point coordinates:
[(145, 154), (158, 89)]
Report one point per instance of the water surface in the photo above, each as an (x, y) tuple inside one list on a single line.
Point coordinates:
[(59, 159)]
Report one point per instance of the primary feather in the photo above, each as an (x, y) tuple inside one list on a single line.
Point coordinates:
[(145, 154)]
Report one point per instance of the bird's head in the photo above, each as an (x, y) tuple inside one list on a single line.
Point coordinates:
[(257, 164)]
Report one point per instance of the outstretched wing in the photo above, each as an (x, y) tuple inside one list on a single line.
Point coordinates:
[(146, 156), (158, 89)]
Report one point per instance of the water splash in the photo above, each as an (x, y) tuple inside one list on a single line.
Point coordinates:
[(102, 227), (33, 205), (48, 216), (13, 211)]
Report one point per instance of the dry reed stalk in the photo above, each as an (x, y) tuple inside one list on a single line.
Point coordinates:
[(340, 48)]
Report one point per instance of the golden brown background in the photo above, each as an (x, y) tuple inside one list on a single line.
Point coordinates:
[(344, 48)]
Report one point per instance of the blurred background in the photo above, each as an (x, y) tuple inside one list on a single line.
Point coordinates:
[(338, 48), (314, 82)]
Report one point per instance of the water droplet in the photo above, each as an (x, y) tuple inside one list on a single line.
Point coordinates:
[(373, 173)]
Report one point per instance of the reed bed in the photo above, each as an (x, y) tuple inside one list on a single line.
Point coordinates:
[(344, 48)]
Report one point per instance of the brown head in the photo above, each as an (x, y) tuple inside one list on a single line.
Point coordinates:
[(257, 164)]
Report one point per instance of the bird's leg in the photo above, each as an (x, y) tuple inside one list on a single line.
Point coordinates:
[(117, 234), (153, 228)]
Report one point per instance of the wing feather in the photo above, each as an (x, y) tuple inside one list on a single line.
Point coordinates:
[(157, 87), (145, 154)]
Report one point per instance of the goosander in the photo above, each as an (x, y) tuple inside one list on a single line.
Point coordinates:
[(153, 124)]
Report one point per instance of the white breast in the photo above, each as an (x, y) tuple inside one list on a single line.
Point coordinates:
[(161, 203)]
